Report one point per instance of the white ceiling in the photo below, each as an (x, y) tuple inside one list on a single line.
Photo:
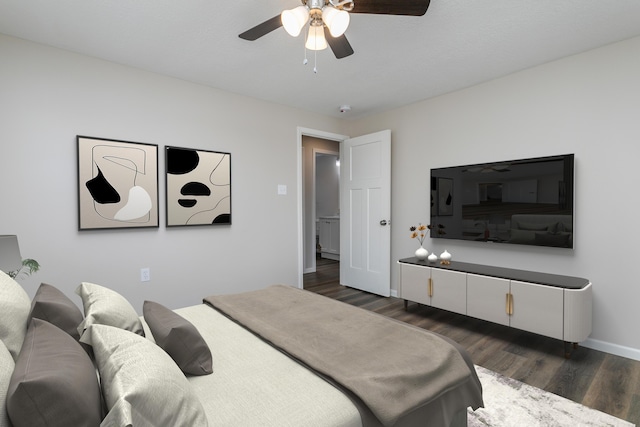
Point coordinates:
[(398, 60)]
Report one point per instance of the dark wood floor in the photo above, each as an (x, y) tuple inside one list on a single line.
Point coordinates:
[(598, 380)]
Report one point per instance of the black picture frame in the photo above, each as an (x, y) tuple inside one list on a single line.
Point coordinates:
[(117, 184), (198, 187)]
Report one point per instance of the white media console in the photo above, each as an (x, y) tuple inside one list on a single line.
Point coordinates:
[(547, 304)]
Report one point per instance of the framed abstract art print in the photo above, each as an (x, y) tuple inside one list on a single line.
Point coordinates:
[(117, 184), (198, 185)]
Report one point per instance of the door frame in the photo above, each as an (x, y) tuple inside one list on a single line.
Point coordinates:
[(302, 131)]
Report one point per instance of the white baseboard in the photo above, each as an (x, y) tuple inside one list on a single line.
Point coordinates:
[(394, 293), (607, 347)]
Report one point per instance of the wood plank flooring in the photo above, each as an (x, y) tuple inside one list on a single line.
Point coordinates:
[(602, 381)]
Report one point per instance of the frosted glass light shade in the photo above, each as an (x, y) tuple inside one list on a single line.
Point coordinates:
[(316, 40), (337, 20), (293, 20)]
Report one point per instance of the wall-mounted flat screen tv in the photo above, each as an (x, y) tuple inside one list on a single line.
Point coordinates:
[(526, 202)]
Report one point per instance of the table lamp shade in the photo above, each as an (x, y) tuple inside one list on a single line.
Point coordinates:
[(10, 258)]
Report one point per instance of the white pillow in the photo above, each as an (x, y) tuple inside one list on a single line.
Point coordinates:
[(141, 384), (104, 306), (15, 306), (6, 369)]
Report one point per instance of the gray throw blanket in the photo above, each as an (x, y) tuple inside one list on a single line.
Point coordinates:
[(394, 368)]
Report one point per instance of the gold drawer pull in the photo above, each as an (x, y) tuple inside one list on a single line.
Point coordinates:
[(430, 287), (509, 307)]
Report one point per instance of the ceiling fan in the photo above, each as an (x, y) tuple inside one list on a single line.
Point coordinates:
[(329, 19)]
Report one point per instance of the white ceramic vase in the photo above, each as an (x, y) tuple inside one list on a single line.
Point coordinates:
[(445, 257), (433, 257), (422, 253)]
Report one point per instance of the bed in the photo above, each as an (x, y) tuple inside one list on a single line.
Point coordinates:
[(225, 362)]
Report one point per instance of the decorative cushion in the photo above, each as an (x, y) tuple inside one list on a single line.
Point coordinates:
[(14, 312), (52, 305), (54, 382), (6, 369), (142, 385), (179, 338), (107, 307)]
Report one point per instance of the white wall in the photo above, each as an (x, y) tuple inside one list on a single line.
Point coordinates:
[(48, 96), (587, 104)]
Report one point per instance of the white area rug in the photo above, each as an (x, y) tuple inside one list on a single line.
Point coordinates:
[(510, 403)]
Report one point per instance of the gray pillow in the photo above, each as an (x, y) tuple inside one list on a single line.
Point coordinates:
[(14, 312), (107, 307), (179, 338), (6, 369), (142, 385), (54, 382), (52, 305)]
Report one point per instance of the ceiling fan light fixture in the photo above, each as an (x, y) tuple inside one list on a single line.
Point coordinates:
[(315, 39), (336, 20), (293, 20)]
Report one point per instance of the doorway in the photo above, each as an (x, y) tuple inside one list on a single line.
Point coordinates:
[(321, 195), (311, 143), (365, 210), (327, 203)]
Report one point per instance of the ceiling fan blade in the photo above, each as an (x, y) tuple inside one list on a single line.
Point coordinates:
[(339, 45), (392, 7), (262, 29)]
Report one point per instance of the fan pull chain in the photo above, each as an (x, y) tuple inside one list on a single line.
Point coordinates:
[(315, 62), (304, 45), (305, 61)]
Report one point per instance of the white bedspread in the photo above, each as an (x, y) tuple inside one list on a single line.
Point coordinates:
[(253, 384)]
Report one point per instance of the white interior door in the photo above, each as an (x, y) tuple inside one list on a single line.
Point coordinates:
[(365, 213)]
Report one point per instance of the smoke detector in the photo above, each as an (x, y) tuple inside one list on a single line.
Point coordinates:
[(345, 108)]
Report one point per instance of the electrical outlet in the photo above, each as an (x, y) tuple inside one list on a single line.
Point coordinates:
[(145, 274)]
